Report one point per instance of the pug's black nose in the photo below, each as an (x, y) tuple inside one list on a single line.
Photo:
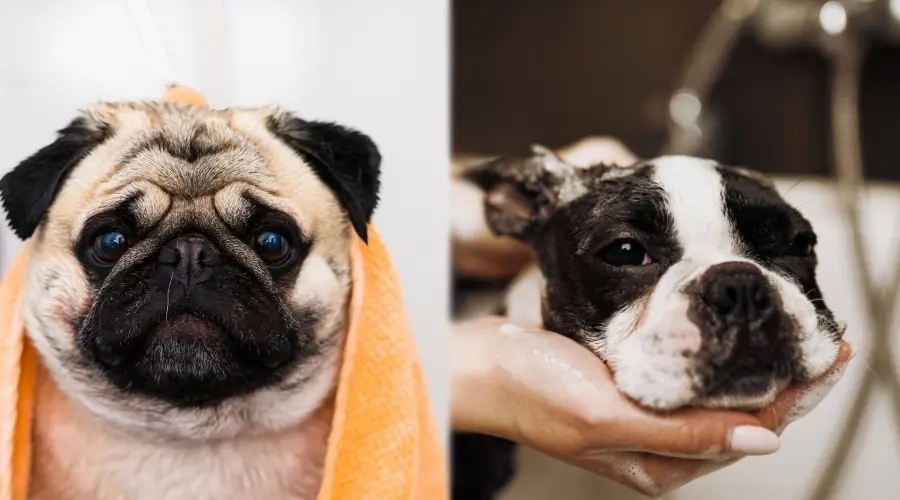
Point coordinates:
[(737, 291), (189, 259)]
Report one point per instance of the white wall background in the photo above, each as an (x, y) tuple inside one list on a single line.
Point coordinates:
[(377, 65)]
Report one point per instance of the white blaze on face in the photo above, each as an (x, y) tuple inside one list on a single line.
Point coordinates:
[(652, 346), (696, 205)]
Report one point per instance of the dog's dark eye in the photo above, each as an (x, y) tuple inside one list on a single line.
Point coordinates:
[(110, 246), (272, 247), (625, 252), (802, 246)]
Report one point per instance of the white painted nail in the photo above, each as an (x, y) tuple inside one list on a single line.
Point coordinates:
[(753, 440)]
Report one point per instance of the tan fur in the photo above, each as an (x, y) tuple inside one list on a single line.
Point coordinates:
[(93, 442), (79, 457)]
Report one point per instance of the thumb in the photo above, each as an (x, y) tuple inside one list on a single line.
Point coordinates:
[(695, 434)]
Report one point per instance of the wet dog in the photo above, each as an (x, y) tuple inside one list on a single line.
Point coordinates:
[(695, 282)]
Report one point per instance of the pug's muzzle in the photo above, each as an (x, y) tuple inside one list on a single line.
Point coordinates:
[(191, 325)]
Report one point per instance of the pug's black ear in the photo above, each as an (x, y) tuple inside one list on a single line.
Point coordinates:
[(521, 192), (29, 189), (347, 161)]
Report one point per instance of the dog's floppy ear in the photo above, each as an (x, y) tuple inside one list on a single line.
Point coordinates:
[(29, 189), (347, 161), (523, 191)]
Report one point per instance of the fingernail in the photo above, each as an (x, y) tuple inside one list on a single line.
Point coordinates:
[(753, 440)]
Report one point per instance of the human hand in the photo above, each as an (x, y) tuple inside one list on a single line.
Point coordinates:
[(541, 389)]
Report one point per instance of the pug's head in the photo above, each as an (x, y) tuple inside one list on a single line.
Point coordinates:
[(190, 267)]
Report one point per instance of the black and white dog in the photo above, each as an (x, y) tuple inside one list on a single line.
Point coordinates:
[(695, 282)]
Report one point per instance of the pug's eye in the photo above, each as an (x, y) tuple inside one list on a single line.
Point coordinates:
[(802, 245), (110, 246), (625, 252), (272, 248)]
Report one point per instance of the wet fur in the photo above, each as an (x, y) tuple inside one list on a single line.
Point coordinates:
[(701, 221), (693, 216), (169, 169)]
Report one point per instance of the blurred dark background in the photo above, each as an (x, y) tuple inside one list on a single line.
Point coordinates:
[(554, 71)]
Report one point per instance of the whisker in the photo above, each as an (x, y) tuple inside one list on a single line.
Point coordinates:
[(792, 187), (874, 372), (168, 291), (169, 288)]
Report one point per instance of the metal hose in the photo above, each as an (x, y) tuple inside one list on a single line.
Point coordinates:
[(846, 59), (709, 55)]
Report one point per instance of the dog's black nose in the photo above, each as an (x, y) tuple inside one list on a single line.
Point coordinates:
[(189, 259), (747, 340), (737, 291)]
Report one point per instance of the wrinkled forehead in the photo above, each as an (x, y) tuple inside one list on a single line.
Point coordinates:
[(205, 165), (703, 204), (190, 157), (695, 198), (721, 208)]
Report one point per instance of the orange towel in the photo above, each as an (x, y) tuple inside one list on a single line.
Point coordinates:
[(383, 444)]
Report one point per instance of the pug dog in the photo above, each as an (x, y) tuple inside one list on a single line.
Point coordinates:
[(187, 295)]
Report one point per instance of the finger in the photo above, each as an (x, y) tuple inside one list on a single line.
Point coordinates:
[(695, 433), (628, 469), (594, 150), (672, 473), (489, 258), (797, 401), (652, 475)]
